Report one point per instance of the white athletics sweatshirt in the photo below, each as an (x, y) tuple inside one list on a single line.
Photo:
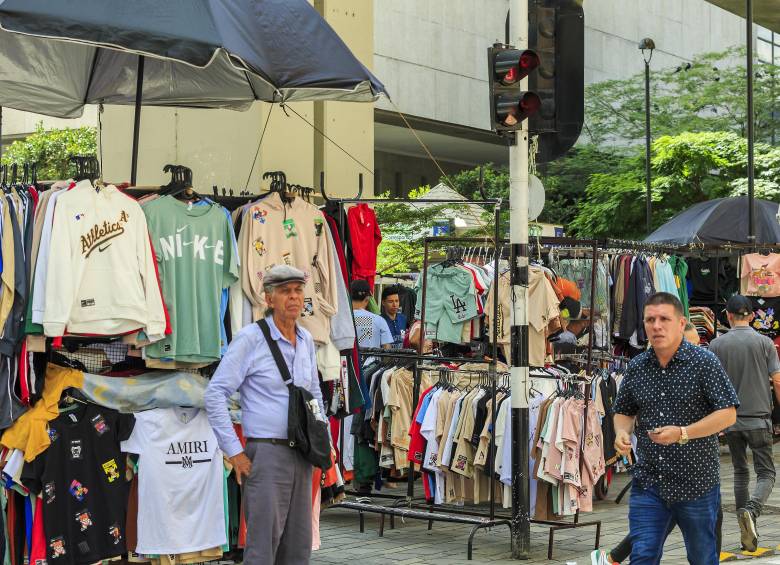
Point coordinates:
[(101, 277)]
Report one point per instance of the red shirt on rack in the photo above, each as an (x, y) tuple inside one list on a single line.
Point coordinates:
[(365, 238)]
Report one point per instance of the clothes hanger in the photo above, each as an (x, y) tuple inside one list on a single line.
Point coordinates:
[(279, 185), (181, 183)]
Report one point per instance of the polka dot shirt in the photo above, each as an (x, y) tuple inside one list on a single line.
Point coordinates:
[(689, 388)]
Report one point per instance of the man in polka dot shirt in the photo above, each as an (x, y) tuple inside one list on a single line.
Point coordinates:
[(676, 398)]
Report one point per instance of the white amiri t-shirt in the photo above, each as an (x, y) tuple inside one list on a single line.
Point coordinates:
[(180, 473)]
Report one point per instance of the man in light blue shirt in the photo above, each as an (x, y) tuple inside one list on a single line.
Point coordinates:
[(276, 479)]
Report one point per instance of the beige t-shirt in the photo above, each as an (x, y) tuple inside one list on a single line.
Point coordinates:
[(542, 309), (463, 458)]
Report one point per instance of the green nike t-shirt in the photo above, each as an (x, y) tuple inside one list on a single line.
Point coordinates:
[(196, 260)]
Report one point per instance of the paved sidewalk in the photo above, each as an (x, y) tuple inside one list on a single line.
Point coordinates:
[(410, 543)]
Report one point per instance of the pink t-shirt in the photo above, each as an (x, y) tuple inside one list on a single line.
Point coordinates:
[(760, 275), (593, 459)]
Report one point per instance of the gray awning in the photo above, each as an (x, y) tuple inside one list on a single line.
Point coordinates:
[(199, 54)]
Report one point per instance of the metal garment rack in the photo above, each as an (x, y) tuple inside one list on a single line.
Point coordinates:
[(494, 519), (341, 220), (476, 520), (717, 252), (592, 245)]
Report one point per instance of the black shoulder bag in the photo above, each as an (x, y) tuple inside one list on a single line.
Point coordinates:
[(305, 432)]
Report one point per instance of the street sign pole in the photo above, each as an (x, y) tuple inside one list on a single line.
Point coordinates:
[(518, 258)]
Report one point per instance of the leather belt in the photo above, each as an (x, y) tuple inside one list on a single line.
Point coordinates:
[(271, 440)]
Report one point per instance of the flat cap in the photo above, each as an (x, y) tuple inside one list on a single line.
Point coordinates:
[(283, 274)]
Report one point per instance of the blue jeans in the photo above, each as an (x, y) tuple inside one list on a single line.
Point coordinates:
[(650, 516)]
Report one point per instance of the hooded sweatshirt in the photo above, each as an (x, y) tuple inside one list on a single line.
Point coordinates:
[(275, 233), (101, 273)]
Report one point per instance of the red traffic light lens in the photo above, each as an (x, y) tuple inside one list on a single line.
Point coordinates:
[(511, 110), (529, 61), (530, 103), (512, 65)]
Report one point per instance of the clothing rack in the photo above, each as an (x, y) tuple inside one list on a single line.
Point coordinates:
[(615, 246), (340, 205), (592, 246), (547, 241), (478, 522), (434, 512), (569, 244)]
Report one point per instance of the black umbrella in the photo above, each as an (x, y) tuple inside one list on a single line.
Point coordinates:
[(723, 220), (58, 56)]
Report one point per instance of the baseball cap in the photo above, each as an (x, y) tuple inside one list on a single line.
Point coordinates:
[(283, 274), (739, 305), (359, 289)]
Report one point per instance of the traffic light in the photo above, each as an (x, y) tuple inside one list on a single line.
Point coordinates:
[(509, 105), (556, 32), (554, 63)]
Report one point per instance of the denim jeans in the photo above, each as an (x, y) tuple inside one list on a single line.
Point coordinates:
[(622, 551), (760, 444), (650, 516)]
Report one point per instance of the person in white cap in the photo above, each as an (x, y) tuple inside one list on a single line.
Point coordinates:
[(276, 480)]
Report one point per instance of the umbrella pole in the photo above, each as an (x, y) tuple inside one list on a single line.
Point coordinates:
[(139, 92), (750, 132)]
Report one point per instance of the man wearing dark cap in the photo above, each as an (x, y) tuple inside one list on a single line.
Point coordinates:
[(372, 329), (276, 480), (750, 360)]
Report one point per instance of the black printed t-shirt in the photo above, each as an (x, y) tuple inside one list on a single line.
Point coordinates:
[(767, 316), (81, 478)]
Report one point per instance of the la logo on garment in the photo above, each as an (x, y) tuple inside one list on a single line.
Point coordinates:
[(185, 241)]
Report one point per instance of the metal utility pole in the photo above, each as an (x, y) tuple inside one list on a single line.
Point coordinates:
[(647, 44), (139, 95), (750, 125), (518, 239)]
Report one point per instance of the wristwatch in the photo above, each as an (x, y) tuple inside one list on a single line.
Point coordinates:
[(683, 436)]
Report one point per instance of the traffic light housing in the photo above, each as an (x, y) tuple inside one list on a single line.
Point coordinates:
[(556, 32), (554, 63), (509, 105)]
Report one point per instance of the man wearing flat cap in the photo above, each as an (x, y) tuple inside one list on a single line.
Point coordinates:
[(276, 480), (750, 360)]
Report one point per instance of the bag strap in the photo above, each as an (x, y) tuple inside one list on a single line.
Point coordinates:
[(281, 364)]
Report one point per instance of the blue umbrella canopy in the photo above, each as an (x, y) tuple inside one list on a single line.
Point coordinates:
[(58, 56), (723, 220)]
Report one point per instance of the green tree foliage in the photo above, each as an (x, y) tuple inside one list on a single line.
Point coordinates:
[(687, 168), (51, 150), (565, 181), (598, 187), (707, 94), (404, 227)]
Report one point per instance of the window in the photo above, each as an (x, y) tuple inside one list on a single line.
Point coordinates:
[(764, 51), (768, 46)]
